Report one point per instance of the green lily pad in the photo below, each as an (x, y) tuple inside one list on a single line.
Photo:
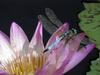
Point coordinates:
[(90, 22)]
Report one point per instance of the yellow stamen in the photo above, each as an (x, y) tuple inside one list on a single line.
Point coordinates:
[(25, 65)]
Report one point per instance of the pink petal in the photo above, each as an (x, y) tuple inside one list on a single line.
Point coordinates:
[(49, 67), (37, 40), (53, 57), (59, 49), (4, 37), (40, 72), (18, 37), (5, 48), (58, 33), (78, 57), (3, 73), (70, 48), (59, 71), (74, 42)]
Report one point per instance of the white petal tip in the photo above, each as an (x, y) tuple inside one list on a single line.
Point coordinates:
[(14, 25)]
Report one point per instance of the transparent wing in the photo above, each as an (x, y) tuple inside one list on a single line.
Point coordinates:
[(51, 23)]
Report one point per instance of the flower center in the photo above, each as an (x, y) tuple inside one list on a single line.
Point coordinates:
[(25, 65)]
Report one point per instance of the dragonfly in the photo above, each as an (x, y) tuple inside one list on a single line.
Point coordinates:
[(67, 34)]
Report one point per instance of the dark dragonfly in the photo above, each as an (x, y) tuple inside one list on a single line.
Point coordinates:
[(67, 35)]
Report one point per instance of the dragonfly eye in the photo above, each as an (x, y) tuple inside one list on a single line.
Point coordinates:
[(74, 31)]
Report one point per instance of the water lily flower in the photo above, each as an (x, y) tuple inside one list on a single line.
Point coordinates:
[(18, 56)]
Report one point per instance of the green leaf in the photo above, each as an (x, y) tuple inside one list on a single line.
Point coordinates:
[(90, 22), (95, 67)]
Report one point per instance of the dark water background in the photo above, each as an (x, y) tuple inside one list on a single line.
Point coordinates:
[(25, 12)]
